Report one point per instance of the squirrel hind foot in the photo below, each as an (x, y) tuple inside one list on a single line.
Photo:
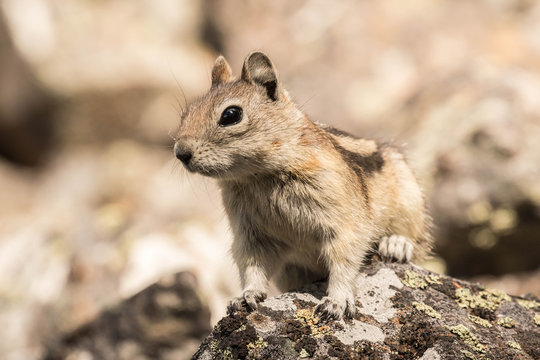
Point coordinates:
[(396, 248)]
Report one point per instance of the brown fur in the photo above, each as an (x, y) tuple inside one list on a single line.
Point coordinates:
[(305, 201)]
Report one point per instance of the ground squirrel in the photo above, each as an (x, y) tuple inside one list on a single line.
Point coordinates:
[(305, 201)]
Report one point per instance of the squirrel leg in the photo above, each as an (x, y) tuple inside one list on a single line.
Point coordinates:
[(256, 263), (341, 292), (343, 264)]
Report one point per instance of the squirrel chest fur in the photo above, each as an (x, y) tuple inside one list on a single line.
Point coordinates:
[(305, 201)]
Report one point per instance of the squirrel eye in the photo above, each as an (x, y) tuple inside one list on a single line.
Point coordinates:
[(230, 116)]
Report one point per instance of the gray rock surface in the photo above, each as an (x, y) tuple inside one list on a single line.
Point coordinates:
[(403, 312)]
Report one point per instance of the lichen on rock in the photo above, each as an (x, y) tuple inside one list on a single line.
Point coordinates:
[(467, 337), (414, 280), (426, 309), (506, 322), (529, 304), (489, 299), (478, 320), (393, 321)]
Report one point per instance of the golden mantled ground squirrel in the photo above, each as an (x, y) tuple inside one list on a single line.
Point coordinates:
[(305, 201)]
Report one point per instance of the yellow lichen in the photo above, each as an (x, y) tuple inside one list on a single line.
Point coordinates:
[(433, 279), (214, 345), (478, 320), (303, 354), (224, 354), (308, 318), (489, 299), (414, 280), (467, 337), (227, 354), (529, 304), (468, 354), (514, 345), (258, 344), (506, 322), (537, 319), (428, 310), (241, 328)]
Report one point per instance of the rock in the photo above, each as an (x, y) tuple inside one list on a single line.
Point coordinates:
[(403, 312), (517, 283), (476, 152), (165, 321), (26, 107)]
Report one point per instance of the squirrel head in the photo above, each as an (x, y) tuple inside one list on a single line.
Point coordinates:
[(239, 127)]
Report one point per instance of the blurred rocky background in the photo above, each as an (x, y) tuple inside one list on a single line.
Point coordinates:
[(94, 207)]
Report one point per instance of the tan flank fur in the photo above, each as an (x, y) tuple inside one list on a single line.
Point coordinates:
[(305, 201)]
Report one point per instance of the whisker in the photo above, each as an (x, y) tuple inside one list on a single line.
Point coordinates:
[(184, 105), (301, 107)]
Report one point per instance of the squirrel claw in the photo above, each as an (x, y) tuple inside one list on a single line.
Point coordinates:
[(249, 299), (329, 309)]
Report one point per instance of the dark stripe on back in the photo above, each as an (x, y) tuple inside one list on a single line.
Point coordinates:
[(338, 132), (363, 166)]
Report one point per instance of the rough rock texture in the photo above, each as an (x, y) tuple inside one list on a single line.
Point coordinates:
[(403, 312), (165, 321)]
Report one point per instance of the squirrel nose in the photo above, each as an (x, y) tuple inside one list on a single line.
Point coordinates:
[(183, 155)]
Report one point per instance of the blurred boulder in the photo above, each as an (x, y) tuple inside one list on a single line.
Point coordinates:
[(474, 136), (25, 107), (144, 114), (122, 69), (164, 321)]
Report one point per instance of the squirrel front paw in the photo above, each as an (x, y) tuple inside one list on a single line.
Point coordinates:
[(331, 309), (250, 298)]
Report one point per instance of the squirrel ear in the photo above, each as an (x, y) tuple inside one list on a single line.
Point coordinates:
[(221, 73), (259, 70)]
